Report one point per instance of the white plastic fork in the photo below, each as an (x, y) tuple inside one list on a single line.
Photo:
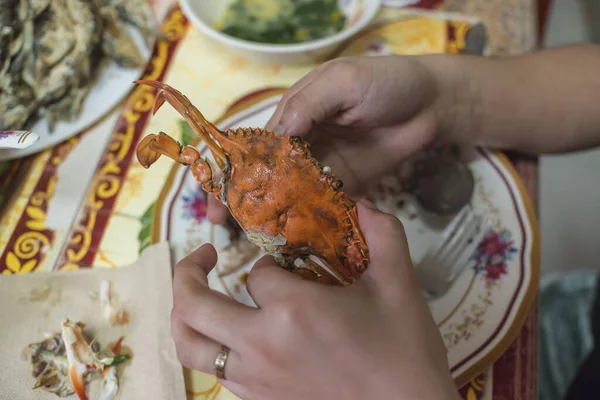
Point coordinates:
[(443, 262)]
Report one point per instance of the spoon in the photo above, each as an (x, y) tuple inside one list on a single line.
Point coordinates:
[(17, 139), (442, 185)]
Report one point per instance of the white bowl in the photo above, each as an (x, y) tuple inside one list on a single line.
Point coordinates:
[(204, 14)]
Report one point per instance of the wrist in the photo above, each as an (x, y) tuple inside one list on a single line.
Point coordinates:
[(455, 105)]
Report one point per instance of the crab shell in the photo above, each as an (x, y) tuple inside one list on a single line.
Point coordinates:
[(288, 205), (285, 202)]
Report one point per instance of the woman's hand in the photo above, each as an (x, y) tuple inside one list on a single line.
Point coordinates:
[(362, 115), (375, 339)]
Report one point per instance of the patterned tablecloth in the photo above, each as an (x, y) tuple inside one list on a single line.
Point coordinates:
[(88, 202)]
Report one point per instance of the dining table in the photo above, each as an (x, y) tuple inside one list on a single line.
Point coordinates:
[(88, 203)]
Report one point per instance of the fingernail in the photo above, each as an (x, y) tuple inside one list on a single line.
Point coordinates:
[(368, 203), (279, 129)]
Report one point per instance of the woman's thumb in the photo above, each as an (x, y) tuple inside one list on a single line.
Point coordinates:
[(388, 247)]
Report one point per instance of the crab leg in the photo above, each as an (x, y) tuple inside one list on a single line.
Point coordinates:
[(314, 271), (192, 115), (152, 146)]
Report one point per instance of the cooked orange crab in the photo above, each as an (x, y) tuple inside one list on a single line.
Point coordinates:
[(286, 203)]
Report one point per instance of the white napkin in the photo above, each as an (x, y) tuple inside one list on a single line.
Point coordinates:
[(36, 303)]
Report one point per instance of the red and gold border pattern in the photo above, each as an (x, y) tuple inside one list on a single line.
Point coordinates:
[(428, 4), (11, 179), (30, 239), (211, 393), (474, 390), (457, 33), (91, 223)]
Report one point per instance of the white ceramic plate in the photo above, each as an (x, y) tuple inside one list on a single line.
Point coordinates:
[(112, 86), (478, 317)]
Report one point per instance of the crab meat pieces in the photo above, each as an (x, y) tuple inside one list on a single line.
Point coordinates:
[(110, 381), (115, 315), (82, 359)]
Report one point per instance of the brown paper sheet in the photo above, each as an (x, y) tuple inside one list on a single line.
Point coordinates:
[(36, 303)]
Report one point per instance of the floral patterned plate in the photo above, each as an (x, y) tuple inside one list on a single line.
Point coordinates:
[(478, 317)]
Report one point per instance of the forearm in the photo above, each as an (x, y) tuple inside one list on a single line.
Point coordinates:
[(544, 102)]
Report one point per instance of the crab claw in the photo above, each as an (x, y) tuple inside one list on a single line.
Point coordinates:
[(203, 128), (145, 155), (152, 146), (158, 102)]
